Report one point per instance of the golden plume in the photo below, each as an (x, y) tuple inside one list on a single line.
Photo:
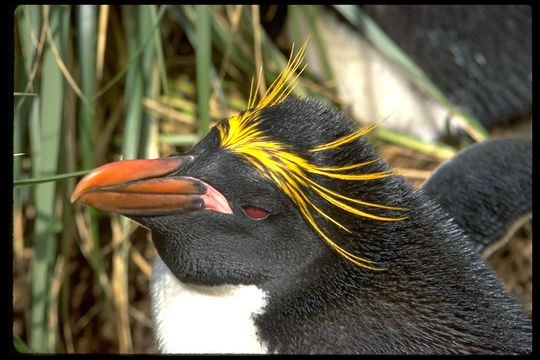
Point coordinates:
[(291, 172)]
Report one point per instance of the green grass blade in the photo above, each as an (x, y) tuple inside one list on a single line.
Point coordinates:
[(20, 346), (295, 23), (134, 87), (86, 46), (37, 181), (29, 24), (438, 150), (46, 163), (151, 83), (86, 51), (30, 31), (145, 27), (22, 71), (311, 15), (179, 139), (381, 41), (186, 16), (150, 142), (203, 61), (159, 52)]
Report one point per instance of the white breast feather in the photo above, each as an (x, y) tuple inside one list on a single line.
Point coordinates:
[(204, 319)]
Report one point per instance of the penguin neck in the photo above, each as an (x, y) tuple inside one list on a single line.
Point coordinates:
[(324, 281), (192, 318)]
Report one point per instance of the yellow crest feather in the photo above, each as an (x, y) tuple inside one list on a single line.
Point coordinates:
[(291, 172)]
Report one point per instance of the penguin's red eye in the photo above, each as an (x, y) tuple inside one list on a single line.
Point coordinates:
[(255, 212)]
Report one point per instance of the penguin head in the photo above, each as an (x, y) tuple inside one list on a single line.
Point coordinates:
[(243, 231), (265, 193)]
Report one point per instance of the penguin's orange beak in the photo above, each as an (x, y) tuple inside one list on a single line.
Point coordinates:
[(147, 187)]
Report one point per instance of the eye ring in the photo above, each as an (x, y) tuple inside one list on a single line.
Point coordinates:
[(255, 213)]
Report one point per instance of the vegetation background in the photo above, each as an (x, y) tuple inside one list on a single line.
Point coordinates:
[(94, 84)]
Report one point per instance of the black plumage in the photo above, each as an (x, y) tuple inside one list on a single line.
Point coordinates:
[(483, 65), (486, 188), (430, 291)]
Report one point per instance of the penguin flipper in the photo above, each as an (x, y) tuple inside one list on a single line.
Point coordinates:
[(487, 189)]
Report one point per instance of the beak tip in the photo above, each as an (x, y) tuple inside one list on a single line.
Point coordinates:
[(77, 193)]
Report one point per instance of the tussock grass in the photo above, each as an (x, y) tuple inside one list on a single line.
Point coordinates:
[(94, 84)]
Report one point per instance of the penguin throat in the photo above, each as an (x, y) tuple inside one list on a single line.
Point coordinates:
[(204, 319)]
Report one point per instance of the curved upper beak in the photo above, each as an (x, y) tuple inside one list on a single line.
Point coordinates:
[(147, 187)]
